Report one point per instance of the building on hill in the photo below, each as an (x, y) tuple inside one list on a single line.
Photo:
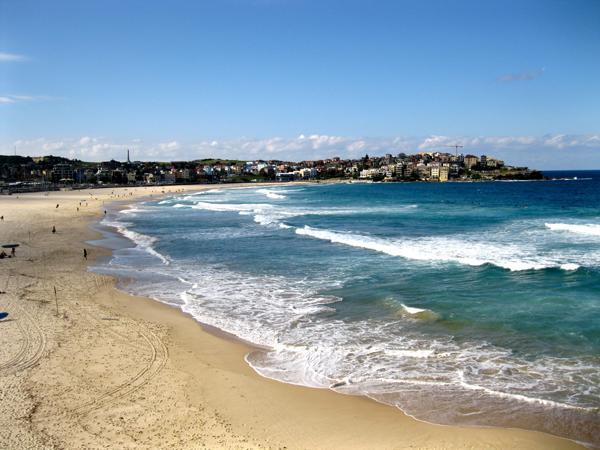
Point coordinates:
[(112, 164), (471, 161), (62, 172), (444, 172)]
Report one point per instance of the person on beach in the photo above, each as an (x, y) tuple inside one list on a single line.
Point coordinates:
[(13, 252), (53, 230), (1, 218), (85, 253), (57, 205)]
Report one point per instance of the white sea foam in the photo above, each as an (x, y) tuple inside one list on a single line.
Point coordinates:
[(193, 197), (411, 353), (396, 361), (521, 397), (223, 207), (285, 191), (419, 314), (257, 309), (145, 242), (517, 256), (132, 210), (107, 221), (270, 193), (264, 220), (411, 310), (590, 229), (142, 241)]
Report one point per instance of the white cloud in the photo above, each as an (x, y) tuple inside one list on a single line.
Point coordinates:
[(519, 77), (10, 98), (539, 152), (169, 146), (9, 57), (21, 97), (85, 140)]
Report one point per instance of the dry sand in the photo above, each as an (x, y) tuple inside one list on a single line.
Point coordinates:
[(114, 371)]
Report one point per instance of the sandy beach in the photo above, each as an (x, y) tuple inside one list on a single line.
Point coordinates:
[(84, 366)]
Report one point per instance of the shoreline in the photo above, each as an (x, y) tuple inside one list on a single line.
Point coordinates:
[(114, 370)]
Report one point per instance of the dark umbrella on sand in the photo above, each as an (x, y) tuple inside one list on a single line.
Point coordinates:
[(13, 246)]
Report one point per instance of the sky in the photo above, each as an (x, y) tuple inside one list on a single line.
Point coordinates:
[(301, 79)]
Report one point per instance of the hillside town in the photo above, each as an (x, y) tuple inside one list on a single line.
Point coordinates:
[(27, 173)]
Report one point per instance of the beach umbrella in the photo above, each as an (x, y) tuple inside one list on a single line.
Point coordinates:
[(10, 246)]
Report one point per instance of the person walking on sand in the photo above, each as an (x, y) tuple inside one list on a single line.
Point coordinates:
[(85, 253), (53, 230), (57, 205)]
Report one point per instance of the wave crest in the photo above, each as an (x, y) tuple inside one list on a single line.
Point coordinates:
[(590, 229)]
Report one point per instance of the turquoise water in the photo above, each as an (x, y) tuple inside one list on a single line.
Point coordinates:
[(460, 303)]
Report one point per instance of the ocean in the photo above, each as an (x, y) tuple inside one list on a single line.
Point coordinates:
[(463, 304)]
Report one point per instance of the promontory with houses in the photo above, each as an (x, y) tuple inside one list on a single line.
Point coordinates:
[(24, 173)]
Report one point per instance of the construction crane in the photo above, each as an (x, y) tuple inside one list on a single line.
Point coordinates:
[(455, 146)]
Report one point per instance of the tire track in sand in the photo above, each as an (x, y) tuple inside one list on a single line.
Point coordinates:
[(156, 362), (158, 353), (32, 342)]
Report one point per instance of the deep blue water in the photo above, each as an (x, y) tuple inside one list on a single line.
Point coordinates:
[(460, 303)]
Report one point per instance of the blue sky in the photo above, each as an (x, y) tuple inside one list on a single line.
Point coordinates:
[(294, 80)]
